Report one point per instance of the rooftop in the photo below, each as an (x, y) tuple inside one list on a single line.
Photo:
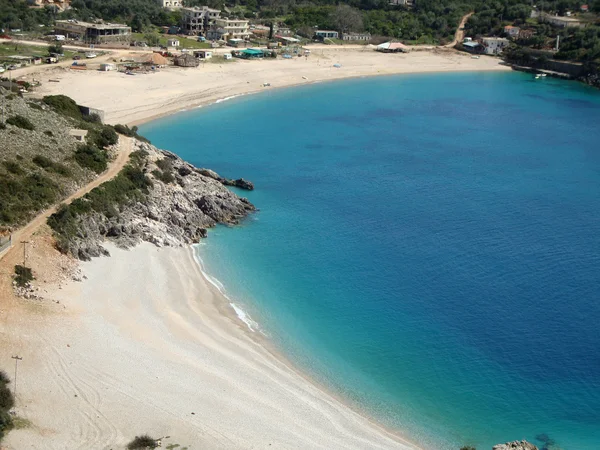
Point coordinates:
[(97, 26)]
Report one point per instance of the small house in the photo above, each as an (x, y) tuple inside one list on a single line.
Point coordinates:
[(326, 34), (584, 8), (79, 135), (472, 46), (286, 40), (107, 67), (236, 42), (512, 31), (186, 60), (203, 54), (227, 56), (172, 42), (353, 37)]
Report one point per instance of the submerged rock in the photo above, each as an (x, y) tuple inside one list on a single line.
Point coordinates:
[(515, 445)]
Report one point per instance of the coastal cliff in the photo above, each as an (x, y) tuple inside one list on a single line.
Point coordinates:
[(515, 445), (158, 198)]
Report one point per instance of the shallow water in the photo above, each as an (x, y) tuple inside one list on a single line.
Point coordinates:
[(428, 246)]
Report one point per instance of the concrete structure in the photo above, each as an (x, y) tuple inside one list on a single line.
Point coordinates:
[(171, 4), (472, 46), (407, 3), (285, 40), (186, 60), (107, 67), (197, 21), (203, 54), (356, 36), (564, 22), (79, 135), (94, 33), (326, 34), (494, 45), (171, 42), (511, 31), (228, 29)]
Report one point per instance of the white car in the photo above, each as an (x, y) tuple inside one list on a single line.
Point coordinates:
[(2, 69)]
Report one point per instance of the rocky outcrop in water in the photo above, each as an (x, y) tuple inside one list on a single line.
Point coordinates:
[(515, 445), (239, 183), (177, 209)]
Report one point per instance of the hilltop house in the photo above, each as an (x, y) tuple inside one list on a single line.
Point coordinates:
[(197, 21), (512, 31), (171, 4)]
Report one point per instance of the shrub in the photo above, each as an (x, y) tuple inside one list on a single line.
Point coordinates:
[(2, 126), (90, 157), (13, 167), (35, 106), (104, 137), (23, 275), (7, 401), (21, 122), (92, 118), (165, 164), (43, 161), (468, 447), (51, 166), (165, 177), (142, 442), (131, 132), (63, 105)]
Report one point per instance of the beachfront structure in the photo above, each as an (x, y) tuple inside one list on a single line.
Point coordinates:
[(172, 42), (283, 31), (197, 21), (251, 53), (94, 33), (171, 4), (227, 29), (512, 31), (393, 47), (326, 34), (356, 36), (285, 40), (186, 60), (494, 45), (472, 46), (203, 54)]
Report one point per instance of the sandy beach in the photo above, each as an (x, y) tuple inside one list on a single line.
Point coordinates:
[(136, 99), (145, 344)]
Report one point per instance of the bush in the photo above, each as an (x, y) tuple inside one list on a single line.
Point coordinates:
[(104, 137), (92, 118), (42, 161), (131, 132), (2, 126), (35, 106), (51, 166), (165, 177), (142, 442), (20, 197), (7, 400), (63, 105), (21, 122), (468, 447), (165, 164), (13, 167), (23, 275), (90, 157)]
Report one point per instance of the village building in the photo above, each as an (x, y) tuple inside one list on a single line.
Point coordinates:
[(584, 8), (203, 54), (407, 3), (356, 36), (79, 135), (494, 45), (171, 4), (228, 29), (472, 46), (526, 34), (260, 30), (94, 33), (61, 5), (172, 42), (564, 22), (512, 31), (288, 41), (326, 34), (283, 31), (197, 21)]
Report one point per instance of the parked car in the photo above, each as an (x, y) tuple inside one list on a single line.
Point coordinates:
[(2, 69), (13, 67), (76, 58)]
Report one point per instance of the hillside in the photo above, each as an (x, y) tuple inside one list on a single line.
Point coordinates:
[(40, 161)]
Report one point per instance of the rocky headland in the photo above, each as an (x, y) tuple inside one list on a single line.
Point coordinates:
[(515, 445), (158, 198)]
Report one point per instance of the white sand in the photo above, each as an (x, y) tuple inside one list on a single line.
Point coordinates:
[(145, 342), (134, 99)]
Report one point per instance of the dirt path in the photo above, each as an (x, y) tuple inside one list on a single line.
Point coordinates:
[(125, 148), (460, 31)]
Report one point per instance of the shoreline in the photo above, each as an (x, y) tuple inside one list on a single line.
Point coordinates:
[(228, 310), (134, 100), (165, 355)]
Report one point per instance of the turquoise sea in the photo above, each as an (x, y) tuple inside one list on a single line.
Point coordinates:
[(427, 246)]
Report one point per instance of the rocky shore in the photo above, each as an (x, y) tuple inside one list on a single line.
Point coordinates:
[(181, 202)]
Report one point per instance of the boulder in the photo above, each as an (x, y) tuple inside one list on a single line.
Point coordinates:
[(515, 445)]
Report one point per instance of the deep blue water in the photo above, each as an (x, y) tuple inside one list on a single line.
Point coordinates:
[(428, 246)]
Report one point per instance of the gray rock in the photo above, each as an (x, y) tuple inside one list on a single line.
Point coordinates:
[(515, 445), (172, 214)]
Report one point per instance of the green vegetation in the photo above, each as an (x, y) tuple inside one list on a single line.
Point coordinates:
[(19, 196), (23, 275), (63, 105), (21, 122), (129, 186), (51, 166), (91, 157), (165, 171), (468, 447), (13, 167), (6, 403), (130, 132), (142, 442), (103, 137)]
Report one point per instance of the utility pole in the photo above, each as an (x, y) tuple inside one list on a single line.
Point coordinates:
[(24, 251), (17, 358)]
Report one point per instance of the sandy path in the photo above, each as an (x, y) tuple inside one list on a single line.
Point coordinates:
[(145, 344)]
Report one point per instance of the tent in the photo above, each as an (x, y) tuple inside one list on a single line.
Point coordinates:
[(392, 47)]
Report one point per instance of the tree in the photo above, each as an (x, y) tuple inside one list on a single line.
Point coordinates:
[(55, 48), (346, 18)]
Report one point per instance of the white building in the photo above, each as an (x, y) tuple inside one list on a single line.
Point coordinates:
[(229, 29), (326, 34), (172, 42), (494, 45), (511, 31), (172, 4), (407, 3), (356, 36), (197, 21)]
